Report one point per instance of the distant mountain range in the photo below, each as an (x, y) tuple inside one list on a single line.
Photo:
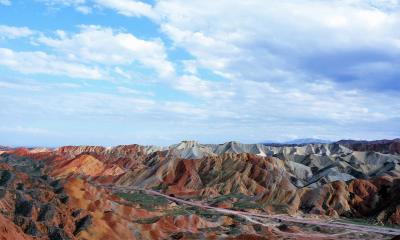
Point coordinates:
[(383, 146), (4, 147), (308, 141), (300, 141)]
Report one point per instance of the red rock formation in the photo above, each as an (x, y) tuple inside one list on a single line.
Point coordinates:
[(8, 230), (35, 203), (330, 199), (262, 180)]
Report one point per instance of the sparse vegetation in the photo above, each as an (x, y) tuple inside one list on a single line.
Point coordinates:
[(242, 205), (223, 198), (146, 201), (161, 187), (179, 211), (240, 201), (210, 215), (234, 231)]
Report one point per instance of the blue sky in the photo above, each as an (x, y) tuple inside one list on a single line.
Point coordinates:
[(114, 72)]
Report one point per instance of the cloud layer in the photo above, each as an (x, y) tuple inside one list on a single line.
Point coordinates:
[(214, 71)]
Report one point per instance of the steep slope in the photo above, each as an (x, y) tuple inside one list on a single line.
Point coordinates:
[(309, 163), (75, 208), (382, 146), (85, 165), (218, 175), (8, 230), (236, 147), (323, 179), (36, 204), (190, 150)]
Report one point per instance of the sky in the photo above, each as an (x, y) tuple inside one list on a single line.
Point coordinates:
[(109, 72)]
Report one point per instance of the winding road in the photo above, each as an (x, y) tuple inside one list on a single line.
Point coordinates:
[(259, 218)]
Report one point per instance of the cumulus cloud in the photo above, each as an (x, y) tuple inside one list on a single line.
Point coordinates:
[(261, 40), (268, 40), (291, 61), (94, 52), (79, 5), (201, 88), (42, 63), (130, 8), (11, 32), (254, 70), (110, 47), (84, 9)]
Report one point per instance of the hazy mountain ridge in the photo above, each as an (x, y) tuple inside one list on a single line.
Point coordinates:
[(307, 141), (4, 147)]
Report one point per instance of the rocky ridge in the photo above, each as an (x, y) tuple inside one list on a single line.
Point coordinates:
[(315, 179)]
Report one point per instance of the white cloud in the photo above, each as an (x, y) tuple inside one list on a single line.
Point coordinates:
[(18, 86), (24, 130), (132, 91), (130, 8), (257, 68), (79, 5), (5, 2), (84, 9), (64, 2), (92, 53), (190, 66), (201, 88), (11, 32), (29, 85), (110, 47), (68, 3), (96, 105), (43, 63), (262, 48), (260, 36), (185, 109)]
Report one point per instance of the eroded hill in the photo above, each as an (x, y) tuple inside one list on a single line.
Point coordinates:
[(321, 181)]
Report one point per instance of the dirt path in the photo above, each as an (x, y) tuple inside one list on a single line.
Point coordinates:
[(258, 218)]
